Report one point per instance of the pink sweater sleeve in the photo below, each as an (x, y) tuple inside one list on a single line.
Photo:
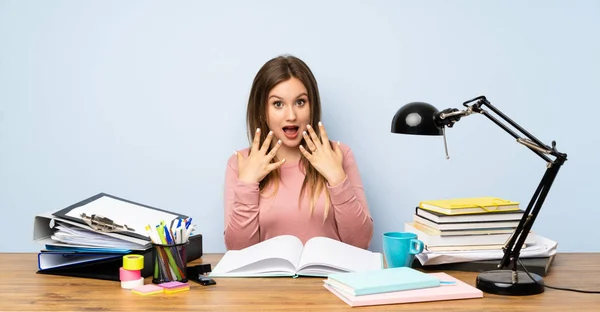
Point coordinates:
[(354, 222), (241, 209)]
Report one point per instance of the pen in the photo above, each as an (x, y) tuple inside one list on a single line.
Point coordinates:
[(152, 234), (168, 236)]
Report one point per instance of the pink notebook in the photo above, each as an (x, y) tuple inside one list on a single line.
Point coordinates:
[(460, 290)]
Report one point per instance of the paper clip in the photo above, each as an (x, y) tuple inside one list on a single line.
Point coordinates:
[(103, 224)]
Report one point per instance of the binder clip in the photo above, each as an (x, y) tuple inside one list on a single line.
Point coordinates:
[(103, 224)]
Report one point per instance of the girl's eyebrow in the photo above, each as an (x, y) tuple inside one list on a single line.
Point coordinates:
[(300, 95)]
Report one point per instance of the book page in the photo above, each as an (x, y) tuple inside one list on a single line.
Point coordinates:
[(328, 255), (276, 255)]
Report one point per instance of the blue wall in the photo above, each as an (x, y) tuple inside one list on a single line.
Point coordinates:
[(146, 100)]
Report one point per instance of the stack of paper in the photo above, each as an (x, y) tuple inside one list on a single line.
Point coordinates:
[(541, 247)]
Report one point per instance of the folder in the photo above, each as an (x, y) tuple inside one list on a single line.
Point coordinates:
[(106, 266), (57, 259), (123, 212)]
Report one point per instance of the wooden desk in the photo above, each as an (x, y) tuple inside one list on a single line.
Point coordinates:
[(22, 289)]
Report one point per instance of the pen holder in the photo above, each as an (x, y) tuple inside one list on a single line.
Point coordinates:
[(170, 263)]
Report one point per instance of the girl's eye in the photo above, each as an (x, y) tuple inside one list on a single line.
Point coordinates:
[(301, 102), (278, 104)]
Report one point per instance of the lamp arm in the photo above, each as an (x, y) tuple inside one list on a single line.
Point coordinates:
[(478, 102), (513, 246)]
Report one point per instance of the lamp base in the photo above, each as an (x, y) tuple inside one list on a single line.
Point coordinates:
[(500, 282)]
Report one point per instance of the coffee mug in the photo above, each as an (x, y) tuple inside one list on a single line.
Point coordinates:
[(400, 248)]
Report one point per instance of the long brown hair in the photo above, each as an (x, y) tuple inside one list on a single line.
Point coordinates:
[(276, 70)]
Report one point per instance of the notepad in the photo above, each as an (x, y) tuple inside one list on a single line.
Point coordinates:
[(148, 289), (174, 287), (381, 281)]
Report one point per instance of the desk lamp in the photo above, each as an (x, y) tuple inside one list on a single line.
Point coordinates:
[(424, 119)]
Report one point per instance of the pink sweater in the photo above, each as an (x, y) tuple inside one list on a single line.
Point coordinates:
[(251, 217)]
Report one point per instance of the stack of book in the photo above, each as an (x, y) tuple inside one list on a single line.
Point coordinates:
[(481, 223), (397, 285), (463, 228)]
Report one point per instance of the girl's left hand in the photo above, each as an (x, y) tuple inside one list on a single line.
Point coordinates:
[(327, 160)]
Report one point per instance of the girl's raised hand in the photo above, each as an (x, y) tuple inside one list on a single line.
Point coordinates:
[(257, 165), (327, 160)]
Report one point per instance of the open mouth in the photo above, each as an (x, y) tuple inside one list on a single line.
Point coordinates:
[(291, 132)]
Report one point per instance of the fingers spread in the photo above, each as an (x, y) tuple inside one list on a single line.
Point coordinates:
[(309, 142), (274, 150), (338, 149), (305, 153), (256, 141), (313, 136), (276, 165), (267, 143), (324, 137)]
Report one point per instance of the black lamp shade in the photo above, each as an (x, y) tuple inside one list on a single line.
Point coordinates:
[(416, 118)]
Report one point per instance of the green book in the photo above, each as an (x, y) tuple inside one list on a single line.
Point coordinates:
[(381, 281)]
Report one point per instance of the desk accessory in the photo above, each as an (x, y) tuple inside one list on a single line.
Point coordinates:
[(130, 273), (169, 250), (199, 274), (424, 119), (203, 280)]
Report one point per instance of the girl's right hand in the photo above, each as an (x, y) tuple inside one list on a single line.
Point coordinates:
[(257, 165)]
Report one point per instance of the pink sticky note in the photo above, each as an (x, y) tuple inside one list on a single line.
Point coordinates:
[(173, 284), (148, 289)]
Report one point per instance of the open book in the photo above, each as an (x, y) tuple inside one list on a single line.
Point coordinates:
[(286, 256)]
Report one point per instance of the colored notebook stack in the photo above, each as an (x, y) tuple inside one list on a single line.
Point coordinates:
[(397, 285), (481, 223)]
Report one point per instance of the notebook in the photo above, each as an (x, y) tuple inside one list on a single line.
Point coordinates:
[(458, 290), (380, 281), (456, 206)]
